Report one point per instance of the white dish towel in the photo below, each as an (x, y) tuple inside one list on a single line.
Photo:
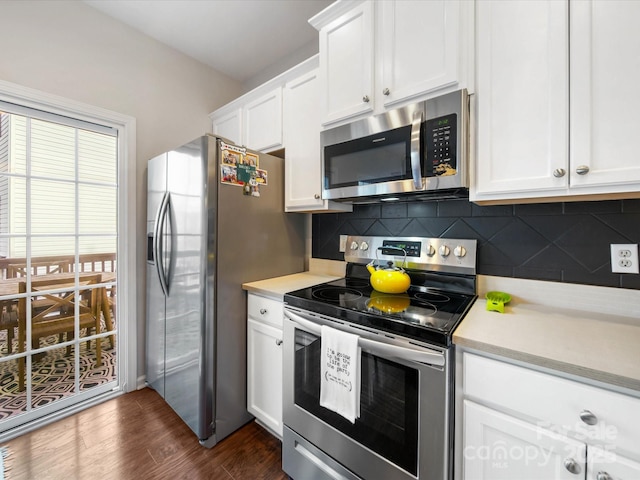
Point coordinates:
[(340, 369)]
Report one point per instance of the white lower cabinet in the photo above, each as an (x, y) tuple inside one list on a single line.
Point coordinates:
[(498, 446), (523, 424), (608, 465), (264, 361)]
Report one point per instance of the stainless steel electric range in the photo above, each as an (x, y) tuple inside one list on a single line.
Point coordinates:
[(405, 428)]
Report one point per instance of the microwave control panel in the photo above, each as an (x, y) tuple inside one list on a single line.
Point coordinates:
[(441, 146)]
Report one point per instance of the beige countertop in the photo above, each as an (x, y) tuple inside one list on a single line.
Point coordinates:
[(591, 332), (588, 342), (275, 288)]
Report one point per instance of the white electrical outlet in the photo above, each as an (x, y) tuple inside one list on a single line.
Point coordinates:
[(343, 243), (624, 258)]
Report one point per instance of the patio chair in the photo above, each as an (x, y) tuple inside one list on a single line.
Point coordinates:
[(59, 316)]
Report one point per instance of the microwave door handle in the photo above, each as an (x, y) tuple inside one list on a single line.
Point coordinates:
[(416, 169), (377, 348)]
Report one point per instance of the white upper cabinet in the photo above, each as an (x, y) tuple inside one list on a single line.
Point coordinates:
[(284, 113), (253, 120), (420, 48), (605, 114), (303, 168), (522, 96), (377, 55), (263, 121), (554, 120), (228, 124), (346, 64)]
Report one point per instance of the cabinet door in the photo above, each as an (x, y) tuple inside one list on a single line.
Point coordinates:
[(420, 47), (610, 465), (303, 181), (605, 41), (346, 64), (522, 99), (263, 122), (264, 374), (265, 310), (303, 165), (500, 447), (229, 126)]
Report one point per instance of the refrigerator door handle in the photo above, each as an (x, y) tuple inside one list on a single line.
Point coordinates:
[(158, 244)]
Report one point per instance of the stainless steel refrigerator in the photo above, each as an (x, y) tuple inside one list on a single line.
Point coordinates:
[(206, 236)]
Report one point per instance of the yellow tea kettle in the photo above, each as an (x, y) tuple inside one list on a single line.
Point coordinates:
[(390, 279)]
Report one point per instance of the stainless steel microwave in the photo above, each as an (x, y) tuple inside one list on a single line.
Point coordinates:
[(416, 152)]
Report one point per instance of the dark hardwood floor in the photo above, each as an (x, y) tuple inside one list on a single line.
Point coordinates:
[(138, 436)]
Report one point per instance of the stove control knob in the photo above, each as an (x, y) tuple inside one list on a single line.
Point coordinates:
[(459, 251), (430, 251), (444, 251), (364, 246), (354, 245)]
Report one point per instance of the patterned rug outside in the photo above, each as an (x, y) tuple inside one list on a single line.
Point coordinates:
[(53, 377)]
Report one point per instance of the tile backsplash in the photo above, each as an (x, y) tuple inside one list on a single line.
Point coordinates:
[(562, 242)]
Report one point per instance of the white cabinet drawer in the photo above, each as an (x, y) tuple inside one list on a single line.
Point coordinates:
[(265, 310), (555, 403)]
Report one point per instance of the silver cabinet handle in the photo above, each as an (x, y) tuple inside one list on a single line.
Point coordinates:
[(365, 99), (263, 311), (582, 170), (278, 342), (316, 196), (386, 92), (587, 417), (572, 466), (603, 476), (559, 172)]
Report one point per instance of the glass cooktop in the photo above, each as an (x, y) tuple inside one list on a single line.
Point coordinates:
[(424, 313)]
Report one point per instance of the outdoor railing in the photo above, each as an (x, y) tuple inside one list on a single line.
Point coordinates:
[(90, 262)]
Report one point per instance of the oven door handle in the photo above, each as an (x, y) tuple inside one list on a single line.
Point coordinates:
[(380, 349)]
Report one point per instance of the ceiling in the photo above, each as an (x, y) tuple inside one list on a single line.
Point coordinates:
[(239, 38)]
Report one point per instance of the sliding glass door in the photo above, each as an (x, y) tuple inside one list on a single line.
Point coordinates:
[(58, 262)]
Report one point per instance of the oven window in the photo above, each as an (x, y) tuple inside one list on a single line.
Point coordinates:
[(377, 158), (388, 422)]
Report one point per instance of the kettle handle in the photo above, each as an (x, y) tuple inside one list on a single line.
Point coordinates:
[(389, 247)]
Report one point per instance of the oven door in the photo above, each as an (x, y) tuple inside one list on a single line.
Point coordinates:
[(404, 431)]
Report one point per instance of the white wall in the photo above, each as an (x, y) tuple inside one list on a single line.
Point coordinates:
[(69, 49), (306, 51)]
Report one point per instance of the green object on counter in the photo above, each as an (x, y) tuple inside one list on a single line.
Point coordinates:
[(496, 301)]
